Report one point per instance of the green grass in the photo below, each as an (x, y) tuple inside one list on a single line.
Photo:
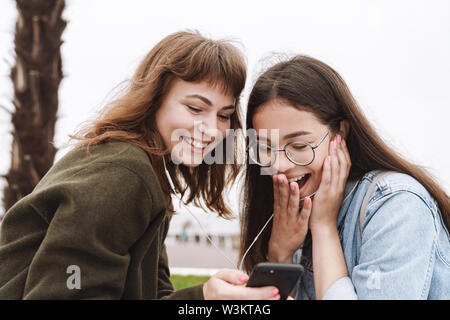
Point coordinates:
[(180, 282)]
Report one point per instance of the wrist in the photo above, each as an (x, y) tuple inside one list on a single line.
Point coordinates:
[(280, 255), (323, 229), (287, 258)]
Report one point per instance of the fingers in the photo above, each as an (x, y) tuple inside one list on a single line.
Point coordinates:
[(232, 276), (288, 198), (346, 153), (294, 202), (339, 160), (276, 297), (288, 231), (344, 163), (261, 293), (329, 169), (234, 289), (303, 217), (276, 191), (229, 284), (283, 192), (326, 175), (276, 196), (334, 164)]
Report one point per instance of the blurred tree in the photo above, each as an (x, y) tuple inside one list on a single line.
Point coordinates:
[(36, 76)]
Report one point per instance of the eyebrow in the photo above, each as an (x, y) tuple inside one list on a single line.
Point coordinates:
[(296, 134), (208, 102), (289, 136)]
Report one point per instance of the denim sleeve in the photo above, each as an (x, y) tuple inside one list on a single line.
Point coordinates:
[(397, 250), (342, 289)]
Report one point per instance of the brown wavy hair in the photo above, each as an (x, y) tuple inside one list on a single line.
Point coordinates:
[(311, 85), (191, 57)]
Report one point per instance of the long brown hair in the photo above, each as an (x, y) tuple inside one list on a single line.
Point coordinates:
[(311, 85), (131, 117)]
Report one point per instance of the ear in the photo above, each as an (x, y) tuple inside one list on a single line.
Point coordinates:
[(344, 128)]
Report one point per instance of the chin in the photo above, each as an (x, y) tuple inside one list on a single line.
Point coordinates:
[(191, 162), (191, 165), (186, 158), (310, 190)]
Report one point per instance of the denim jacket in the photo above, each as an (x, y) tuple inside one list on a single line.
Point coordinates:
[(402, 252)]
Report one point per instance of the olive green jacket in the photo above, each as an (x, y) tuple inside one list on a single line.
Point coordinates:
[(93, 228)]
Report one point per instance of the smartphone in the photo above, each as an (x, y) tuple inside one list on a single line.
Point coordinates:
[(280, 275)]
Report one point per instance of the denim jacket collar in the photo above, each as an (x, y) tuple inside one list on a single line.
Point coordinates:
[(349, 190)]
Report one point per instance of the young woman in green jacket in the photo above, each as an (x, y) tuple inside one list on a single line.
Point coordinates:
[(94, 227)]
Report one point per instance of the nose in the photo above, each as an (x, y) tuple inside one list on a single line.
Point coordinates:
[(282, 163), (209, 122), (209, 125)]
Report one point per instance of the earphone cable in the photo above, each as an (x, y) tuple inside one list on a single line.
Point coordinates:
[(195, 218)]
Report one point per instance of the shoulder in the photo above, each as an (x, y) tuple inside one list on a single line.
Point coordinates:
[(396, 184), (103, 161), (125, 154), (396, 197), (103, 173)]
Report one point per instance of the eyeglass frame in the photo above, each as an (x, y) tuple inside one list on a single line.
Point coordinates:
[(287, 155)]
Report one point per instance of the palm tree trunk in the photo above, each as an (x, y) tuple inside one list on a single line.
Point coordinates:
[(36, 76)]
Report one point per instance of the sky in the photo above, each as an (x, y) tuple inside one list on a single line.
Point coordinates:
[(394, 55)]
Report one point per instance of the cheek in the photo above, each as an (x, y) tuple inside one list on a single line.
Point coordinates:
[(222, 131), (321, 155), (317, 168), (317, 173), (172, 128)]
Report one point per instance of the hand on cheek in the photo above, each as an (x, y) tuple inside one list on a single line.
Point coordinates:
[(328, 199), (289, 225)]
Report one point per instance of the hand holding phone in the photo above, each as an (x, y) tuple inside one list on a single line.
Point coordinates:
[(281, 275)]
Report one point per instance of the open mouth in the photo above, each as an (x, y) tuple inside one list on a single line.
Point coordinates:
[(301, 181)]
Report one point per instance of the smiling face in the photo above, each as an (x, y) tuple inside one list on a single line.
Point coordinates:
[(289, 124), (193, 120)]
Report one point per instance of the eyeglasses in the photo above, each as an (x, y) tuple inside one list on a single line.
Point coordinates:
[(298, 152)]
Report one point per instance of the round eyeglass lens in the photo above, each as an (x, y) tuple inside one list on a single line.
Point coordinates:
[(300, 152)]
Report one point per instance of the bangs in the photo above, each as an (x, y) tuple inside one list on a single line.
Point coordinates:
[(215, 62)]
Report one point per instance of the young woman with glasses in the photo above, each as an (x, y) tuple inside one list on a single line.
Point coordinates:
[(363, 221)]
